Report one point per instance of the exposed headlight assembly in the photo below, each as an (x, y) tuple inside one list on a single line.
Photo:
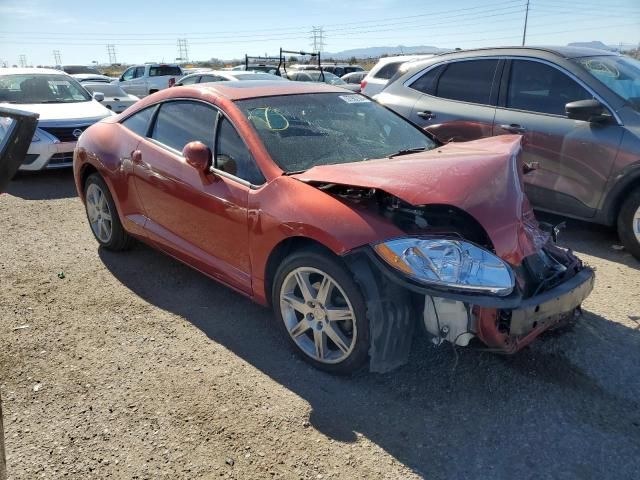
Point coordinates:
[(448, 263)]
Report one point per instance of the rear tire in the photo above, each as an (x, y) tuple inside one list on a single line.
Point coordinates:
[(321, 311), (629, 223), (103, 216)]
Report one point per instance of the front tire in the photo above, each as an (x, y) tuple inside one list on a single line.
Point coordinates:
[(322, 311), (102, 215), (629, 223)]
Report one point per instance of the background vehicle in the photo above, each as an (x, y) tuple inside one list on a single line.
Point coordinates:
[(577, 109), (115, 98), (225, 75), (318, 76), (354, 78), (341, 69), (382, 71), (335, 211), (65, 108), (142, 80), (84, 73)]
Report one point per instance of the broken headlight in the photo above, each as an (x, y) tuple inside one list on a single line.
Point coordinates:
[(448, 263)]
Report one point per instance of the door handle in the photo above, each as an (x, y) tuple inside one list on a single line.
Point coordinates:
[(427, 115), (513, 128)]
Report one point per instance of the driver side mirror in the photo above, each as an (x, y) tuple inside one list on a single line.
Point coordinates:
[(198, 155), (98, 96), (588, 111)]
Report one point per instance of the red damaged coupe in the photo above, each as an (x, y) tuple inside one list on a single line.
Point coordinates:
[(353, 224)]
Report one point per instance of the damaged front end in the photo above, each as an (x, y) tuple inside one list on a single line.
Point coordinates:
[(470, 261)]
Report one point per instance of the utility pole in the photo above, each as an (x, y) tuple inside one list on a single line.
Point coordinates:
[(317, 39), (23, 61), (111, 50), (57, 58), (183, 50), (526, 17)]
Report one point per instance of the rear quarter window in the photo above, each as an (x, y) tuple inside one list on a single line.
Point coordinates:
[(139, 122), (388, 71), (165, 71)]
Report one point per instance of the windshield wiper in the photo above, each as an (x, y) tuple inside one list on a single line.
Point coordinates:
[(295, 172), (407, 151)]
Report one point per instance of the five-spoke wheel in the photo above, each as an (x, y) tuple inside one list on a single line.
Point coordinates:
[(322, 311)]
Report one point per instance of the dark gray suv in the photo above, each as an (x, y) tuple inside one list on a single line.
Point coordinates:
[(577, 109)]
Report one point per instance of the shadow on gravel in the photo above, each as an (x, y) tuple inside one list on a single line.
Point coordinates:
[(490, 417), (48, 185), (596, 240)]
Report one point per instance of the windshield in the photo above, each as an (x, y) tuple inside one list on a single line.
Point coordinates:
[(80, 69), (621, 74), (108, 90), (302, 131), (329, 78), (41, 88)]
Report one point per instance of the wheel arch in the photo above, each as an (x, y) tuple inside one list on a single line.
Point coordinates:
[(629, 182), (284, 249)]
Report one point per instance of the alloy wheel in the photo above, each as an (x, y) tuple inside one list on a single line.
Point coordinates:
[(99, 213), (318, 315)]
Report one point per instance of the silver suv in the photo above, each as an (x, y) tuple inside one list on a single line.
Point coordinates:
[(578, 111)]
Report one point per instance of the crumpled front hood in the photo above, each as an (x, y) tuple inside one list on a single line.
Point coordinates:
[(481, 177)]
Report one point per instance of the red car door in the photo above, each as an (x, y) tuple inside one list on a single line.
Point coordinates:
[(201, 218)]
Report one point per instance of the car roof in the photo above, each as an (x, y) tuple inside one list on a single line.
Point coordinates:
[(31, 71), (562, 51), (240, 90)]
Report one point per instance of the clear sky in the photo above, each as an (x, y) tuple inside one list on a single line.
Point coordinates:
[(149, 30)]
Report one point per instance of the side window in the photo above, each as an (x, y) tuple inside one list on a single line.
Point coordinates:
[(181, 122), (232, 155), (190, 80), (388, 71), (139, 122), (537, 87), (468, 81), (427, 82), (139, 72), (210, 78), (128, 75)]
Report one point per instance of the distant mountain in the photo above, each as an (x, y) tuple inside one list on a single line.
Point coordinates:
[(376, 52), (594, 44)]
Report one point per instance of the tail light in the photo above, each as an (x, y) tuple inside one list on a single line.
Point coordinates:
[(363, 84), (172, 82)]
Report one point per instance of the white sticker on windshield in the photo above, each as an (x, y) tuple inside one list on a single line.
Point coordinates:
[(354, 98), (64, 83)]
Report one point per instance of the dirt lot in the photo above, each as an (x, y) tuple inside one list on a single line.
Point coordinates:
[(134, 366)]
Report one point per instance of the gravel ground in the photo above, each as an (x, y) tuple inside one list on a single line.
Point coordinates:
[(135, 366)]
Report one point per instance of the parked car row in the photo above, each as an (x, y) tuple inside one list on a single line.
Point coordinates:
[(359, 220)]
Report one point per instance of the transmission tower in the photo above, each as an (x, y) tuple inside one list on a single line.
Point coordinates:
[(23, 61), (183, 50), (317, 39), (111, 50), (57, 58)]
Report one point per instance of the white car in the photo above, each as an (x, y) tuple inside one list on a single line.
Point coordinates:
[(84, 73), (66, 109), (225, 75), (386, 68), (115, 98), (143, 80)]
